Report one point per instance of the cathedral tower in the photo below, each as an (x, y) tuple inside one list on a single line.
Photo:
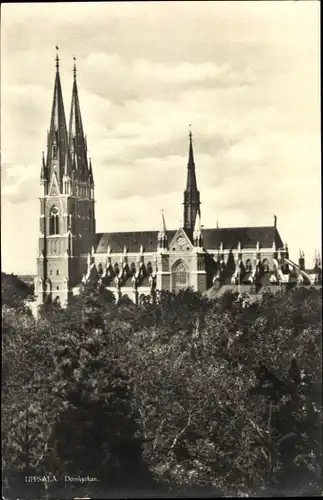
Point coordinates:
[(67, 222), (191, 193)]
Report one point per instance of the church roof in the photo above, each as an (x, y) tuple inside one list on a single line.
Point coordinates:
[(212, 238), (132, 240), (247, 236)]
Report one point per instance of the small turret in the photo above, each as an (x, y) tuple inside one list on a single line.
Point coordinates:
[(197, 234), (162, 234), (301, 260), (238, 252), (43, 171)]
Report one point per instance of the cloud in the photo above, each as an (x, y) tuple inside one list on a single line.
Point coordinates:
[(245, 75)]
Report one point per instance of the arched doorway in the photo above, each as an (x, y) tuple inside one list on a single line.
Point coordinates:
[(179, 276)]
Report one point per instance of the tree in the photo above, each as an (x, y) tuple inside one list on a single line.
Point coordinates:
[(94, 433), (212, 401)]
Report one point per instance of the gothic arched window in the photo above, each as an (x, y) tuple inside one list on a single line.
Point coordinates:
[(149, 268), (100, 269), (116, 269), (54, 221), (248, 265), (200, 264), (265, 264), (179, 275)]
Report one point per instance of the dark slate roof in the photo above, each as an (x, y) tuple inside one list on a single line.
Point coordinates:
[(131, 239), (230, 237), (247, 236)]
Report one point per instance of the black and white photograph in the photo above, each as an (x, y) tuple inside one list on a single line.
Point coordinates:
[(161, 254)]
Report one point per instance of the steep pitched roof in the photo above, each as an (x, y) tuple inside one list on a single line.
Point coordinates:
[(212, 238), (132, 240), (247, 236)]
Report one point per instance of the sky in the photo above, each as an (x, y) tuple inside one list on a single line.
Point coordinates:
[(245, 75)]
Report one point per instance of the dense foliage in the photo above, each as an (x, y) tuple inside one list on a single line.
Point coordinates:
[(14, 291), (180, 394)]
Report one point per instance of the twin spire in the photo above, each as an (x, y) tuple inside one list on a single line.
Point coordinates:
[(66, 148)]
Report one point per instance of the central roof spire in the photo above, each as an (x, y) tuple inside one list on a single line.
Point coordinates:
[(191, 193), (191, 184)]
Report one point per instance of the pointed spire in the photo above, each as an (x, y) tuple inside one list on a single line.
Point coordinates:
[(74, 68), (57, 141), (191, 193), (197, 227), (217, 224), (91, 172), (76, 138), (190, 154), (43, 177), (162, 235), (197, 234), (163, 223), (191, 184)]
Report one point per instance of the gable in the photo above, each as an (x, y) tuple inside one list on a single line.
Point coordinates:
[(54, 188), (180, 242)]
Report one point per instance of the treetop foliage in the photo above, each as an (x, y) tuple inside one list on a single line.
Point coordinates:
[(178, 393)]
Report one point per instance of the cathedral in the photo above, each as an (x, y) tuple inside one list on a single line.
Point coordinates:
[(137, 263)]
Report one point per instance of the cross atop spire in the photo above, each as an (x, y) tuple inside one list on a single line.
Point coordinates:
[(57, 58), (74, 68)]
